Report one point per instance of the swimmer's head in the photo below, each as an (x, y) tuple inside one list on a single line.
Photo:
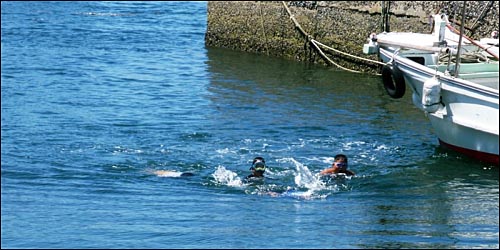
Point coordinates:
[(340, 161), (258, 164)]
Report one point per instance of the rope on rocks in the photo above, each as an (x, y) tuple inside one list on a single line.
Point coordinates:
[(480, 17), (263, 29), (316, 45)]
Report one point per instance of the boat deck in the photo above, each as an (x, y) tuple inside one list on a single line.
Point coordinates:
[(485, 74)]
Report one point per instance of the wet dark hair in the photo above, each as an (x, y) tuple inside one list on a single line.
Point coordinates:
[(258, 158), (341, 156)]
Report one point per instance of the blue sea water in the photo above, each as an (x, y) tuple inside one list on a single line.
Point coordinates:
[(96, 96)]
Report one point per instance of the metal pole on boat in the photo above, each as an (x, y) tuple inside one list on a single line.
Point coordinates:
[(462, 24)]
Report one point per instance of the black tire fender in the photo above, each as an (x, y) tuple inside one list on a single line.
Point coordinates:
[(394, 82)]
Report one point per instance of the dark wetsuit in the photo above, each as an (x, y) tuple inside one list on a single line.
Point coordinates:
[(254, 176)]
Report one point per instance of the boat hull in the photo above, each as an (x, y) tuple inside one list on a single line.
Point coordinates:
[(467, 122), (465, 140)]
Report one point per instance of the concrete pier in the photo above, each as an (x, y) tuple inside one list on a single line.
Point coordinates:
[(266, 27)]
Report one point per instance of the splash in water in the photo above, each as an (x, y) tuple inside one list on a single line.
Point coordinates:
[(227, 177), (307, 185), (314, 185), (304, 177)]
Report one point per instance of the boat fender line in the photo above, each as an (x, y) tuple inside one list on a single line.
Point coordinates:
[(394, 82), (431, 95)]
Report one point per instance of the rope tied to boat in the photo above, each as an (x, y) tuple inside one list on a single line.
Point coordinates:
[(316, 45)]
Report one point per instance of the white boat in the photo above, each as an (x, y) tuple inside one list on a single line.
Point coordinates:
[(460, 99)]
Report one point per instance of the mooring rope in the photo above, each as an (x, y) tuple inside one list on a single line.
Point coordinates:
[(347, 54), (263, 29), (330, 60), (316, 43)]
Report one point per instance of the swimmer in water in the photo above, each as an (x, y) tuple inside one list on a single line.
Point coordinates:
[(339, 166), (171, 173), (258, 168)]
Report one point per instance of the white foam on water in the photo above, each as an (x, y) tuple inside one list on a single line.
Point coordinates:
[(227, 177), (304, 177)]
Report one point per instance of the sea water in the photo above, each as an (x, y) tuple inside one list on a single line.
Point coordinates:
[(97, 96)]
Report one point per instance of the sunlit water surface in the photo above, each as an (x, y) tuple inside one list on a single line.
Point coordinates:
[(96, 96)]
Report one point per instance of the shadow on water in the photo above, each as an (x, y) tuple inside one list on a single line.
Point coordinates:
[(265, 97), (326, 109)]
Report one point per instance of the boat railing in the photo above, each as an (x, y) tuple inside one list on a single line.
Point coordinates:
[(471, 68), (468, 76), (484, 74)]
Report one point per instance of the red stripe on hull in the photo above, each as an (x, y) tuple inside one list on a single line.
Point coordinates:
[(482, 156)]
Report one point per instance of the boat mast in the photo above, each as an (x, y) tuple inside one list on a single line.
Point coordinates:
[(457, 64)]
